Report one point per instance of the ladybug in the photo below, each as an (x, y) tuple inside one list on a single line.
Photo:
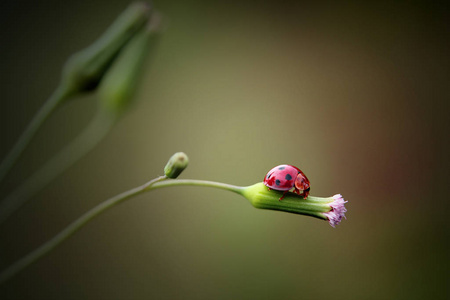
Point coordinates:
[(286, 177)]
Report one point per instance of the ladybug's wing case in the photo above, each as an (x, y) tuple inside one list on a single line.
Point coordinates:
[(287, 179), (281, 178), (269, 180)]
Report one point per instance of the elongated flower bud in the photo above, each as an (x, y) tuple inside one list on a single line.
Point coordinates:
[(119, 83), (330, 208), (84, 70), (176, 164)]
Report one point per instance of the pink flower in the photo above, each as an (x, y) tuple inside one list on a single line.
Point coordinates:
[(337, 210)]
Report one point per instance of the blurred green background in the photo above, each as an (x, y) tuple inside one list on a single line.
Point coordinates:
[(354, 93)]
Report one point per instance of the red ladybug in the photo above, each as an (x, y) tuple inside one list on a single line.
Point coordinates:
[(286, 177)]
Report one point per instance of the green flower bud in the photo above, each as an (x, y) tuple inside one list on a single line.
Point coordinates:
[(176, 164), (117, 87), (84, 70), (330, 208)]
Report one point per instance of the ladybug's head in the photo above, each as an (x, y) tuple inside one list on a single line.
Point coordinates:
[(302, 182)]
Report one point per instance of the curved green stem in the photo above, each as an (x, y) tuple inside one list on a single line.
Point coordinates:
[(193, 182), (58, 96), (79, 147), (97, 210)]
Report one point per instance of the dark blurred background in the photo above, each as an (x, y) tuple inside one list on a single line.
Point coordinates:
[(354, 93)]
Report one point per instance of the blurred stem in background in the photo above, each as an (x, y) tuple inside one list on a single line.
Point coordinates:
[(59, 96), (82, 73), (80, 146), (116, 90), (330, 208)]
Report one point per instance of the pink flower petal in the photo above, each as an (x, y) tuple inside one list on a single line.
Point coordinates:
[(337, 211)]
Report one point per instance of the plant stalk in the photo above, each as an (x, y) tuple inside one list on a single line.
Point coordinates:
[(58, 96), (100, 125), (156, 183)]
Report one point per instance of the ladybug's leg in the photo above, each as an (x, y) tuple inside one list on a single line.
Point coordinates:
[(284, 194), (269, 189), (305, 194)]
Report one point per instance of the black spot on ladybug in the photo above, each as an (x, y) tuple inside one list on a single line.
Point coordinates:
[(288, 177), (268, 176), (281, 168), (277, 182)]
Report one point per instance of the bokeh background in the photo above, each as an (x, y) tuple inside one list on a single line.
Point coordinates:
[(354, 93)]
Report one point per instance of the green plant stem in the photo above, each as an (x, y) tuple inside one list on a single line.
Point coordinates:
[(58, 96), (194, 182), (100, 125), (97, 210)]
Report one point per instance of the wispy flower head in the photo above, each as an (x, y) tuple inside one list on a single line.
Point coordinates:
[(331, 209), (337, 211)]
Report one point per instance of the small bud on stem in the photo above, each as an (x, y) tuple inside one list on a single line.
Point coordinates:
[(176, 164)]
